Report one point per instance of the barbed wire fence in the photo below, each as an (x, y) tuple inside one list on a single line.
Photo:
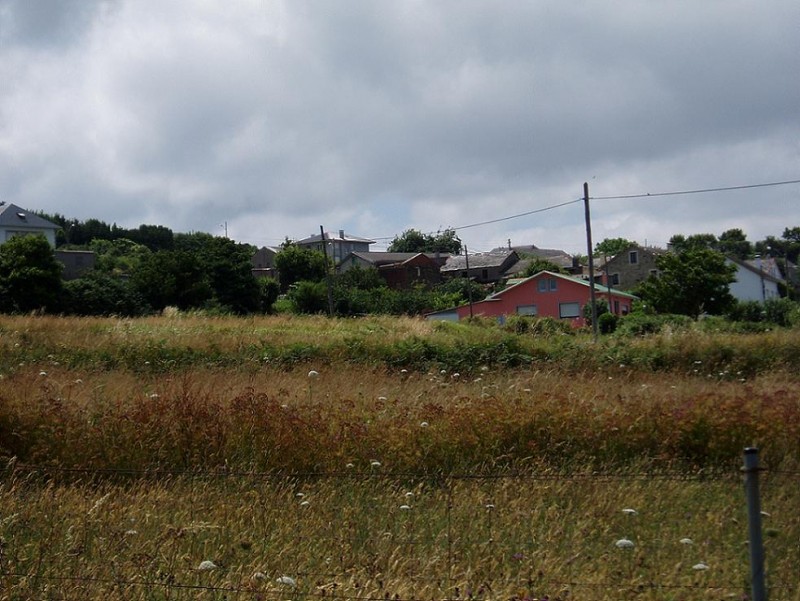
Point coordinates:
[(373, 536)]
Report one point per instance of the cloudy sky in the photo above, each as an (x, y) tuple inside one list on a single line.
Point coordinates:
[(275, 117)]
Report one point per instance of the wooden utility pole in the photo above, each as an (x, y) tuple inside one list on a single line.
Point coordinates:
[(592, 294), (469, 282), (328, 281)]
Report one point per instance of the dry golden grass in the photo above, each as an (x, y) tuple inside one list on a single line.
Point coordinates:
[(128, 475)]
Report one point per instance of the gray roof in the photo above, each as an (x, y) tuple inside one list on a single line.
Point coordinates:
[(478, 261), (387, 258), (335, 237), (13, 216)]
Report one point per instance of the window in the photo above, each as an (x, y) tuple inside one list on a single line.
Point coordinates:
[(633, 257), (566, 310), (546, 284), (485, 274), (616, 307), (615, 279), (527, 310)]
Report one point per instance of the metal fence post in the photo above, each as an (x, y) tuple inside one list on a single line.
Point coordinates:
[(751, 470)]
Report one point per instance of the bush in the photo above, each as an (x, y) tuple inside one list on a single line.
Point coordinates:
[(268, 291), (102, 294), (309, 297), (641, 324), (607, 323)]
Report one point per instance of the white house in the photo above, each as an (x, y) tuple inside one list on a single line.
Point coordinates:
[(15, 221), (752, 282)]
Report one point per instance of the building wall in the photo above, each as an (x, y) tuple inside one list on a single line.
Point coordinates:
[(751, 286), (629, 274), (6, 233)]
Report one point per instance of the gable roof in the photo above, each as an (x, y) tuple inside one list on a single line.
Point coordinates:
[(753, 268), (480, 261), (337, 237), (13, 216), (379, 259), (598, 287)]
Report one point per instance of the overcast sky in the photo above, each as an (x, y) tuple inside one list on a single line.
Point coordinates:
[(374, 116)]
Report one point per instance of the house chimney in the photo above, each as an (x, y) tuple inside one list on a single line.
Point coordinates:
[(341, 234)]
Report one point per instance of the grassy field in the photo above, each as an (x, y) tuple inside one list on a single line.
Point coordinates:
[(418, 461)]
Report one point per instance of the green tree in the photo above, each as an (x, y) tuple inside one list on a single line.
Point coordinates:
[(268, 291), (296, 263), (414, 241), (30, 276), (734, 243), (538, 264), (680, 243), (172, 278), (118, 257), (611, 246), (228, 268), (309, 297), (99, 293), (690, 283)]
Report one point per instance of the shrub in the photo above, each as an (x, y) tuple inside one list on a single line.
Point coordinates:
[(640, 324), (309, 297)]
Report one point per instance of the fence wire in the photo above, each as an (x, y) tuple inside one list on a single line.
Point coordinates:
[(130, 534)]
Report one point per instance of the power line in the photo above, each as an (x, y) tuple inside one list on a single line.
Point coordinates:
[(698, 191)]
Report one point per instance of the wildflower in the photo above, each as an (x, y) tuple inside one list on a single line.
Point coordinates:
[(259, 576), (423, 425), (409, 495), (207, 565), (403, 371), (699, 567), (42, 373), (624, 543), (154, 395), (381, 398), (687, 541), (375, 463), (766, 515), (313, 374), (490, 506), (287, 580), (131, 533), (305, 504), (405, 507), (349, 466), (300, 495), (629, 511), (456, 376)]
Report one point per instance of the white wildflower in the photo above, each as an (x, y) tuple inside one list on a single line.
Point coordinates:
[(687, 541), (305, 504), (42, 373), (405, 507), (313, 374), (349, 466), (423, 425), (699, 567), (287, 580), (259, 576), (375, 463), (131, 533), (490, 506), (99, 503), (409, 495), (629, 511), (207, 565), (382, 398), (766, 515), (624, 543)]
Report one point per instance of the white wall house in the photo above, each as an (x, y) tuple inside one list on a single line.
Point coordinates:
[(15, 221), (753, 283)]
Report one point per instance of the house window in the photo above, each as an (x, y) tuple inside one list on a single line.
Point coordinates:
[(615, 279), (546, 284), (568, 310), (485, 274), (616, 307), (654, 272), (527, 310), (633, 257)]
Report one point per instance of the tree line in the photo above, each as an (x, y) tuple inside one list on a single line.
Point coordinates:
[(146, 269)]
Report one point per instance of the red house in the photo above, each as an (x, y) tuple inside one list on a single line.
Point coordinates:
[(545, 294)]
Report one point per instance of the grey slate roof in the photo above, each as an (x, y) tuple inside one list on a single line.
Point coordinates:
[(334, 237), (477, 261), (13, 216)]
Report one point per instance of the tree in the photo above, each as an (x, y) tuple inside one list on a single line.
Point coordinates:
[(296, 263), (414, 241), (690, 283), (172, 278), (538, 264), (268, 291), (680, 243), (228, 268), (30, 276), (118, 257), (99, 293), (734, 243), (612, 246)]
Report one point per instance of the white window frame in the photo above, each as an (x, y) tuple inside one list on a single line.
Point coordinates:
[(529, 310), (571, 314)]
